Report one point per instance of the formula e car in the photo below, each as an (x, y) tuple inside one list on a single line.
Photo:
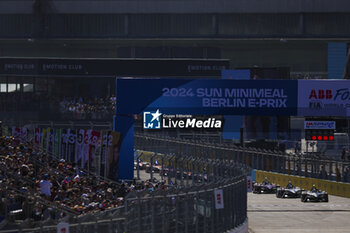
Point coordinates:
[(142, 165), (316, 196), (294, 192), (264, 188), (156, 167)]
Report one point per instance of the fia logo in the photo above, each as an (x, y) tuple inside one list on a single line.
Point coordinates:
[(315, 105), (151, 120)]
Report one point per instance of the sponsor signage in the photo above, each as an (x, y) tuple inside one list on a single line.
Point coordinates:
[(249, 184), (323, 98), (219, 199), (63, 227), (157, 120), (319, 125), (207, 97), (113, 67), (235, 97)]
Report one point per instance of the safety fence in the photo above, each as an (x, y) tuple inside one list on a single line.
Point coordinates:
[(260, 159), (203, 194)]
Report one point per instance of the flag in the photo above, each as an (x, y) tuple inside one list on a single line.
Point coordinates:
[(37, 139), (85, 158), (93, 143), (57, 142), (64, 144), (71, 145), (79, 147), (113, 155)]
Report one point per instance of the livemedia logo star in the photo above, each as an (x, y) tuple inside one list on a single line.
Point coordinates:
[(157, 120), (151, 120)]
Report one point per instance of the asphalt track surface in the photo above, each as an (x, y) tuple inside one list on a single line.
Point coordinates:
[(266, 213)]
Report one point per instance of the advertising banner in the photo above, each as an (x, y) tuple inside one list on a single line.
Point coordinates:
[(51, 137), (319, 125), (71, 145), (37, 139), (233, 124), (93, 143), (64, 144), (57, 141), (63, 227), (219, 199), (85, 156), (249, 184), (113, 157), (207, 97), (106, 141), (43, 138), (323, 98), (79, 147)]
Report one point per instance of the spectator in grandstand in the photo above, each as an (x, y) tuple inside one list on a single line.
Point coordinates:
[(45, 186), (27, 174), (87, 108)]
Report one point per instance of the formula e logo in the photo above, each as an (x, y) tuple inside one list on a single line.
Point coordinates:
[(151, 120)]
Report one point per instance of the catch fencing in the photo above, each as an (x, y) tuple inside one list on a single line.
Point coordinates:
[(299, 164)]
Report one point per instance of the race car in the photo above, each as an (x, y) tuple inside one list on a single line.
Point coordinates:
[(314, 195), (289, 191), (264, 188), (142, 165), (156, 167), (294, 192)]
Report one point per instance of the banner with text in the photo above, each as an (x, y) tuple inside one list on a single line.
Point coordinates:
[(324, 98), (208, 97)]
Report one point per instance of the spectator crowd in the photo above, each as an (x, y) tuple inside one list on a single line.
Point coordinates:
[(42, 187), (79, 108), (88, 108)]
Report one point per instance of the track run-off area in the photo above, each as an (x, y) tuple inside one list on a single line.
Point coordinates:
[(268, 214)]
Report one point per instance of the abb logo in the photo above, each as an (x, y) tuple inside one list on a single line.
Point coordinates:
[(320, 94)]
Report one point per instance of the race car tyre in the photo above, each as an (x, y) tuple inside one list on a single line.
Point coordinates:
[(325, 198), (256, 190), (279, 194), (303, 198)]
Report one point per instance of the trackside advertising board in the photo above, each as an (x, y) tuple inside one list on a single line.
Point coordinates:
[(160, 101), (319, 125), (234, 97), (207, 97), (324, 97)]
